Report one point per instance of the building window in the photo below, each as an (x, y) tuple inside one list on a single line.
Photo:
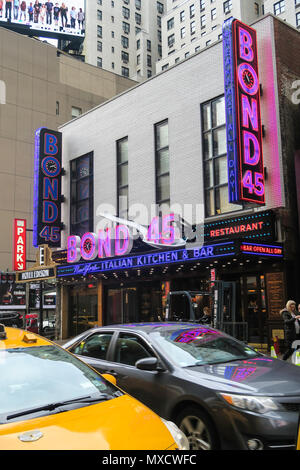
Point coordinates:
[(125, 41), (193, 27), (99, 15), (137, 30), (149, 73), (122, 178), (279, 7), (125, 72), (99, 31), (162, 163), (99, 62), (138, 18), (82, 193), (170, 23), (126, 27), (125, 57), (256, 8), (298, 19), (138, 44), (159, 21), (203, 21), (159, 50), (76, 112), (214, 150), (192, 11), (99, 46), (149, 61), (126, 12), (182, 16), (182, 32), (138, 59), (213, 13), (138, 4), (160, 8), (164, 67), (227, 6), (159, 35), (202, 5), (57, 108), (171, 40), (148, 45)]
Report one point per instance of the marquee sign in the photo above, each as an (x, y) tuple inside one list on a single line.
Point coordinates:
[(243, 118), (19, 248), (148, 259), (47, 188)]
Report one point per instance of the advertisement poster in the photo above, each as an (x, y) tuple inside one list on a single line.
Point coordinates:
[(56, 17), (12, 296)]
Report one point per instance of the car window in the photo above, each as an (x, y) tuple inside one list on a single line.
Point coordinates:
[(188, 347), (35, 376), (94, 346), (131, 348)]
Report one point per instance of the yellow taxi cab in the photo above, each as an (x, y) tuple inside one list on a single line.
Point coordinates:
[(50, 400)]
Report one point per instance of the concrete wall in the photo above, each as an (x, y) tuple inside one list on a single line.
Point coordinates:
[(35, 79)]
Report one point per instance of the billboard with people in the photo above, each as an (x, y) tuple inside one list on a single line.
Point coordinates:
[(58, 17)]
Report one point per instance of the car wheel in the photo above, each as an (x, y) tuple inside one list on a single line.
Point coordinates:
[(197, 427)]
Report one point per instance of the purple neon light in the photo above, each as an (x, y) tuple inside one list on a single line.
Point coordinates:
[(36, 186), (246, 51)]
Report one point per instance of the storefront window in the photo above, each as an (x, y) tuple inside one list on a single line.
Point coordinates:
[(83, 313)]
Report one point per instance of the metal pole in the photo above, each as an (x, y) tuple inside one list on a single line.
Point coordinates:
[(41, 309)]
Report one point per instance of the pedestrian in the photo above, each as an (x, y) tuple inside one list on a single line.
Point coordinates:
[(1, 8), (16, 9), (23, 11), (8, 5), (206, 318), (80, 18), (63, 15), (30, 12), (291, 327), (56, 11), (73, 15), (36, 11), (49, 6)]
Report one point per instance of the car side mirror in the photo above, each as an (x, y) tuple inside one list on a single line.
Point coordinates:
[(148, 363), (110, 378)]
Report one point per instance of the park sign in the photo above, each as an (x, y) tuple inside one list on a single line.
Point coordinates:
[(47, 188), (246, 181)]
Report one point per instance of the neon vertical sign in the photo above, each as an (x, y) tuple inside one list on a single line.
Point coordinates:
[(19, 256), (246, 180), (47, 188)]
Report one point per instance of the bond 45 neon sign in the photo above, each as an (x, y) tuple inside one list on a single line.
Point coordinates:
[(47, 188), (243, 118)]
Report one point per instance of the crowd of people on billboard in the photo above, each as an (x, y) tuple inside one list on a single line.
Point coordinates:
[(48, 13)]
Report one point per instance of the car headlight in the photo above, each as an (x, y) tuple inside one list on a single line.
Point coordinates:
[(249, 403), (178, 436)]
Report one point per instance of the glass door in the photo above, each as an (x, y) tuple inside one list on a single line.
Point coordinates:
[(254, 300), (121, 305)]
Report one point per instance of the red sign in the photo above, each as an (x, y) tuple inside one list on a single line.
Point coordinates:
[(266, 250), (19, 249)]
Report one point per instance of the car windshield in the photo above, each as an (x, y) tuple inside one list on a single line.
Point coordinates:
[(34, 377), (189, 347)]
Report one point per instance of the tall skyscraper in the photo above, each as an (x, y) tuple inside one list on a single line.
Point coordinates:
[(189, 26), (124, 36)]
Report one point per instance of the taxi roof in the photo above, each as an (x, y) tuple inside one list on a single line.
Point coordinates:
[(17, 338)]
